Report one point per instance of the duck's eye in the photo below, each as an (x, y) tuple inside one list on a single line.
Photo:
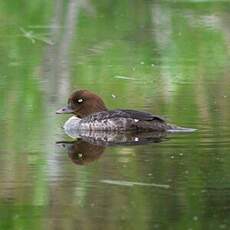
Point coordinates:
[(80, 100)]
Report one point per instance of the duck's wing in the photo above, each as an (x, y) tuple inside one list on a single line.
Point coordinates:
[(123, 113), (144, 116)]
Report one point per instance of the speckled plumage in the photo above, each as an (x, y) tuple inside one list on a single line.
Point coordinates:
[(119, 120), (123, 120)]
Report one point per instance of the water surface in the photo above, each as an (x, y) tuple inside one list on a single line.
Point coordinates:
[(169, 58)]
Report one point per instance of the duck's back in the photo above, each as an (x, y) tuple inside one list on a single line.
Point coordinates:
[(124, 120)]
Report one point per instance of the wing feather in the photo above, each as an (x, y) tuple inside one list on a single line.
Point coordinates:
[(124, 113)]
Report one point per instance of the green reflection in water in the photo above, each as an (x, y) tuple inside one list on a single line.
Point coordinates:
[(166, 58)]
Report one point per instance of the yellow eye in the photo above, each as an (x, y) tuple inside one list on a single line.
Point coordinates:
[(80, 100)]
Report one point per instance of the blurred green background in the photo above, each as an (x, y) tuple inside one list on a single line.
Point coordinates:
[(166, 57)]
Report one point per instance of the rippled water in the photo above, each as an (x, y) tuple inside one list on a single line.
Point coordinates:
[(170, 59)]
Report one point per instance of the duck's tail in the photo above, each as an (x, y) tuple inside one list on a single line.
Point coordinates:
[(174, 129)]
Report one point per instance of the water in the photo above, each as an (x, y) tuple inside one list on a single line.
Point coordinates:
[(169, 58)]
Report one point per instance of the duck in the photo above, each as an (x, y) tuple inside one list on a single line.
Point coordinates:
[(90, 113)]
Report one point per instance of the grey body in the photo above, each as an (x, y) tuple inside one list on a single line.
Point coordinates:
[(121, 120)]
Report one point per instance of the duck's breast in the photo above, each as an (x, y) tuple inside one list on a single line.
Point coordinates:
[(72, 123)]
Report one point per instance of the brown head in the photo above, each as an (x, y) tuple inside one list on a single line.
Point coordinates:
[(83, 103)]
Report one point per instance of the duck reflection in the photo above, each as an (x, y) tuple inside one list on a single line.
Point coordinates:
[(90, 145)]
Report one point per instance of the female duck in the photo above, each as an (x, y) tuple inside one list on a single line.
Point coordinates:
[(91, 114)]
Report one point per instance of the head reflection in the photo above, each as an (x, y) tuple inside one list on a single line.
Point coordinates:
[(90, 145), (81, 152)]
